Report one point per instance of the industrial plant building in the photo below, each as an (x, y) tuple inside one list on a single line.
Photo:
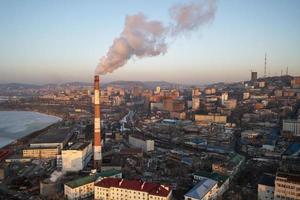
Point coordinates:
[(76, 157), (139, 142), (42, 152), (53, 138)]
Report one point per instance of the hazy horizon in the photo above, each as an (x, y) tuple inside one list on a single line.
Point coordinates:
[(62, 41)]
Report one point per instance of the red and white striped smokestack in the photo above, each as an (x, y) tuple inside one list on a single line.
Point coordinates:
[(97, 127)]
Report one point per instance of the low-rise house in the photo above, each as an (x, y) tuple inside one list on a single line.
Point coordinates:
[(223, 181), (206, 189)]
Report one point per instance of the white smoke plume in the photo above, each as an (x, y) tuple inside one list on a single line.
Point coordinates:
[(190, 16), (142, 37)]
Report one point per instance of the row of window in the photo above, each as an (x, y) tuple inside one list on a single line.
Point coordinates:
[(288, 186), (120, 195)]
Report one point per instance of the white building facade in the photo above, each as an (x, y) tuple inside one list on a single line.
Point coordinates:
[(121, 189), (146, 145), (287, 186), (76, 158), (292, 126), (195, 103), (84, 187)]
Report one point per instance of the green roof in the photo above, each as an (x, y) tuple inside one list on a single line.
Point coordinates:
[(81, 181), (91, 178), (108, 173), (213, 175), (236, 159)]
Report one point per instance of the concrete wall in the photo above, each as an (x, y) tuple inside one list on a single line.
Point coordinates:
[(146, 145), (265, 192), (76, 160)]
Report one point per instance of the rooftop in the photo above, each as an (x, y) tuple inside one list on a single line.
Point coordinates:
[(151, 188), (79, 145), (201, 188), (53, 136), (292, 150), (291, 177), (236, 159), (131, 151), (267, 179), (92, 178), (213, 175)]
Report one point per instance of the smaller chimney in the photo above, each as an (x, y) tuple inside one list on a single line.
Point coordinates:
[(143, 185), (120, 183)]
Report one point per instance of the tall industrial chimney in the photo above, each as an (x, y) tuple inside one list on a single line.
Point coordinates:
[(97, 127)]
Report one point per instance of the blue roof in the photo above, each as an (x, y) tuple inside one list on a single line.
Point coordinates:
[(201, 189), (198, 140), (267, 179), (273, 137), (293, 149), (187, 160)]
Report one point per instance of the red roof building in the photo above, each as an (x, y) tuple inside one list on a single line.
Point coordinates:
[(118, 189)]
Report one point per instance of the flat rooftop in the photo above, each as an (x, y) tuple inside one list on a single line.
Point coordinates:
[(92, 178), (79, 145), (213, 175), (201, 189), (291, 177), (267, 179), (53, 136)]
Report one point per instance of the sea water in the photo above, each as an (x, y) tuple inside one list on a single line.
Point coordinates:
[(17, 124)]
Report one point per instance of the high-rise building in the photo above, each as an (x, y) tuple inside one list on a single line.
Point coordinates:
[(172, 105), (196, 92), (224, 97), (253, 76), (157, 91), (195, 103), (296, 82), (287, 186), (136, 91), (266, 187), (291, 126)]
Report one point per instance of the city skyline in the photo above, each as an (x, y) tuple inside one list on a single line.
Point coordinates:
[(46, 42)]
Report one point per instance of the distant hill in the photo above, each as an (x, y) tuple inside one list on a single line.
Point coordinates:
[(18, 86), (77, 84), (123, 84), (143, 84), (130, 84)]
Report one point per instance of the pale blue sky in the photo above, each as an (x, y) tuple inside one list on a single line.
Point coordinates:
[(63, 40)]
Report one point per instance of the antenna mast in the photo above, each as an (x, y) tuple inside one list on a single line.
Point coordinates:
[(265, 71)]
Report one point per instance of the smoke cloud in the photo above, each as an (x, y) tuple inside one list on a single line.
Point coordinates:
[(145, 38), (190, 16)]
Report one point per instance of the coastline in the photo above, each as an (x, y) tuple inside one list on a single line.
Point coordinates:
[(26, 138)]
